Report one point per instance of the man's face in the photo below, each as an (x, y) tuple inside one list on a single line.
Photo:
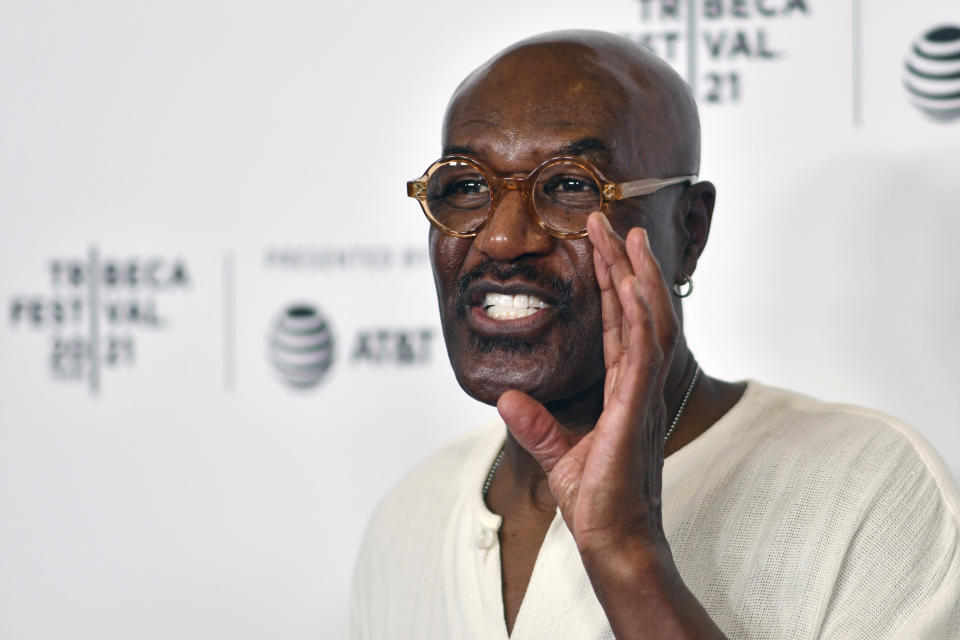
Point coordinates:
[(554, 353)]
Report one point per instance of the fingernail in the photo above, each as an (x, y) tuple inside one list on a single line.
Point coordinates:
[(646, 238)]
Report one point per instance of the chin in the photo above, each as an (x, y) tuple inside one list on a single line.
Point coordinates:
[(487, 384), (489, 367)]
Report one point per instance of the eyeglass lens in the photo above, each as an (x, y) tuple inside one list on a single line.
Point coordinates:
[(564, 194)]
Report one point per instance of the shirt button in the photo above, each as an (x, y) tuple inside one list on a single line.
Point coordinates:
[(485, 538)]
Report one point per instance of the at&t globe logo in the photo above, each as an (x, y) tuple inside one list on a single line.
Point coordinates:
[(301, 345), (932, 73)]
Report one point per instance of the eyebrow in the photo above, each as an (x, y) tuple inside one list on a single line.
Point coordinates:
[(460, 150), (575, 148), (583, 145)]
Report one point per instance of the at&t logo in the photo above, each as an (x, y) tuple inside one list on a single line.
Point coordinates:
[(932, 73), (301, 345)]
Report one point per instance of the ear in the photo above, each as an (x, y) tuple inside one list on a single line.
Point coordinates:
[(695, 212)]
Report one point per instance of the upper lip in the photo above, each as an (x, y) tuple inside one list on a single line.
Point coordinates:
[(477, 290)]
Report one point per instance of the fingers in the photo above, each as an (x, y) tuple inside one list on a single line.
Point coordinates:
[(611, 248), (639, 385), (621, 259), (653, 291), (644, 358), (611, 266), (640, 326), (534, 428), (610, 312), (652, 286)]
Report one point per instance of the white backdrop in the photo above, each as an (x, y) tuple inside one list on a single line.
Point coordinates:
[(173, 176)]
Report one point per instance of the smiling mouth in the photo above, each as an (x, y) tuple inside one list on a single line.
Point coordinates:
[(503, 306)]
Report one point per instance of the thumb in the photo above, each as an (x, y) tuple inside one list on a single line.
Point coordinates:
[(534, 428)]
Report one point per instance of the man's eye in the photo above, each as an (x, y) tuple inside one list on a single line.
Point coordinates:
[(563, 185), (466, 187)]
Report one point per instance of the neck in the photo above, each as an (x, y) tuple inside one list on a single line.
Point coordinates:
[(578, 415)]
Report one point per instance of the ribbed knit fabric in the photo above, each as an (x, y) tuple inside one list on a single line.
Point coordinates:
[(788, 518)]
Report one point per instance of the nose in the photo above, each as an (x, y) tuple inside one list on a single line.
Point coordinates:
[(512, 231)]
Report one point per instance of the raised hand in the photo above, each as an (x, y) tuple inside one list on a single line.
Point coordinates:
[(607, 483)]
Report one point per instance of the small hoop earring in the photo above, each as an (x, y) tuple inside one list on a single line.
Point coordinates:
[(678, 287)]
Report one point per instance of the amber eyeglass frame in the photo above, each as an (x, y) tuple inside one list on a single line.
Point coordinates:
[(499, 185)]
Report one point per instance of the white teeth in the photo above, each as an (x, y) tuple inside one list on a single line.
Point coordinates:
[(508, 313), (501, 306)]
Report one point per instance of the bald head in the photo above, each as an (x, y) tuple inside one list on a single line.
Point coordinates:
[(574, 78)]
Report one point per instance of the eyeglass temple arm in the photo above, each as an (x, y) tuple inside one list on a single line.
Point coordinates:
[(642, 187)]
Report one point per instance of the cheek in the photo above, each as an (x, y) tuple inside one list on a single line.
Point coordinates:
[(446, 256), (586, 314), (581, 256)]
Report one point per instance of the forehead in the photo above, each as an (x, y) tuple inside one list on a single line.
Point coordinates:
[(546, 93), (529, 114), (535, 134)]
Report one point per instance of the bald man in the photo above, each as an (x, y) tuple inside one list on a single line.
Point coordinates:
[(566, 222)]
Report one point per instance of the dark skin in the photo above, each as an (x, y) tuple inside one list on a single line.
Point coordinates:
[(587, 386)]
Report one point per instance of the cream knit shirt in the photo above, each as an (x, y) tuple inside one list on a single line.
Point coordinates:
[(788, 518)]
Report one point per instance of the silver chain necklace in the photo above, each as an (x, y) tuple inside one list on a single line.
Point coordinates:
[(683, 403), (673, 425)]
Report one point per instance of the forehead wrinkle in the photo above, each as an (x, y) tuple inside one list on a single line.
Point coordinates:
[(537, 117), (577, 132), (591, 149)]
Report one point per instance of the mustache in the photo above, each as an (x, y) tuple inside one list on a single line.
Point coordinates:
[(524, 269)]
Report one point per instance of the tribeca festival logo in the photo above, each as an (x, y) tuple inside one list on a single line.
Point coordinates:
[(719, 35), (301, 346), (94, 308), (932, 73)]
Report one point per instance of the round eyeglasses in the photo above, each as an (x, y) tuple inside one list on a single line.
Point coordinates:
[(458, 194)]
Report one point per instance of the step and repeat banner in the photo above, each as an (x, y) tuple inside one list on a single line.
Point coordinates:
[(220, 342)]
